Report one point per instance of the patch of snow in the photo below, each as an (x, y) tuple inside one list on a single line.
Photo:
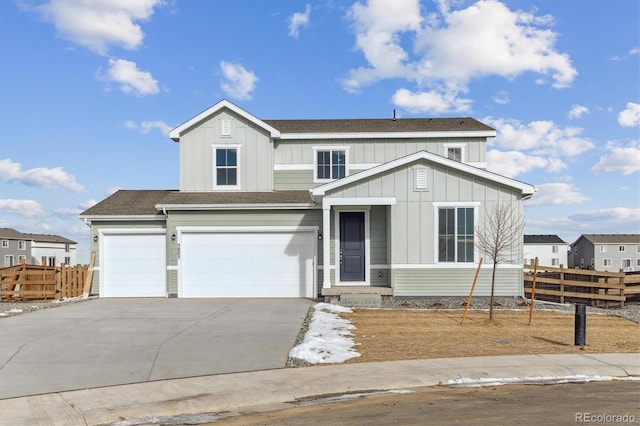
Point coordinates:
[(15, 311), (542, 380), (328, 338), (351, 397)]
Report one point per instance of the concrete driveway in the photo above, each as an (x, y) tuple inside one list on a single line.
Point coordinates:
[(106, 342)]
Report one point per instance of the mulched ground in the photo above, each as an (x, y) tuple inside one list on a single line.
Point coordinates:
[(384, 335)]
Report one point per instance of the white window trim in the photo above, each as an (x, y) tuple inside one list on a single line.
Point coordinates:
[(463, 150), (625, 260), (22, 245), (317, 148), (214, 178), (604, 262), (5, 243), (476, 211), (603, 249), (622, 248)]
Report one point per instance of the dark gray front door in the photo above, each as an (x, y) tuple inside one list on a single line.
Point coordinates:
[(352, 255)]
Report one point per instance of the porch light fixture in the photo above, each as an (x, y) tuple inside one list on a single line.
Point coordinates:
[(319, 236), (95, 238), (173, 237)]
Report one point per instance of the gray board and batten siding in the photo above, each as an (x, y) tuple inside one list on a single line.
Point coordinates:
[(255, 153)]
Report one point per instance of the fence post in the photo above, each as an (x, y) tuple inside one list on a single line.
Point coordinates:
[(580, 329)]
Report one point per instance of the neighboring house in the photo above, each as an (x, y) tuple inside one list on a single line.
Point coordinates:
[(606, 252), (35, 249), (307, 208), (549, 249)]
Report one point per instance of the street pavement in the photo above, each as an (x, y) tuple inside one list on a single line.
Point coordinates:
[(268, 390), (107, 342)]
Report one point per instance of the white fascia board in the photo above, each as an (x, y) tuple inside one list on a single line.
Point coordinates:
[(176, 133), (120, 217), (328, 202), (390, 135), (168, 207), (423, 155)]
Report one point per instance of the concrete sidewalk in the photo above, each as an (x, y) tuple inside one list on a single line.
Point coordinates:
[(273, 389)]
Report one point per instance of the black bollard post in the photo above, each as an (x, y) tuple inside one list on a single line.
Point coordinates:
[(580, 325)]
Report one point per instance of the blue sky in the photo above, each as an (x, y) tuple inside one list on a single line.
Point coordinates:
[(90, 89)]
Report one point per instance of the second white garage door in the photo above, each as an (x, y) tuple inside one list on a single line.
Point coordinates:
[(246, 264)]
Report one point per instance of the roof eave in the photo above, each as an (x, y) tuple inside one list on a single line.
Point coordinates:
[(389, 135), (176, 133), (244, 206), (527, 190)]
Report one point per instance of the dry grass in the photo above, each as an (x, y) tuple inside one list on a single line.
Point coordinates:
[(384, 335)]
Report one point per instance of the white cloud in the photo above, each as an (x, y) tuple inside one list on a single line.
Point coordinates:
[(447, 49), (41, 177), (543, 138), (238, 82), (514, 163), (23, 208), (147, 126), (577, 111), (556, 194), (501, 97), (130, 78), (297, 20), (99, 24), (614, 215), (625, 160), (432, 102), (378, 26), (630, 116), (87, 204)]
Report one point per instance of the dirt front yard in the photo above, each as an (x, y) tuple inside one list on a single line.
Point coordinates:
[(384, 335)]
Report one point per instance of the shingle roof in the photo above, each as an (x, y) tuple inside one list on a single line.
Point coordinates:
[(144, 202), (12, 234), (128, 203), (466, 124), (543, 239), (613, 238), (214, 198)]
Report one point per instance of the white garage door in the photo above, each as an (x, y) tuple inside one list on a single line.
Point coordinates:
[(133, 265), (246, 264)]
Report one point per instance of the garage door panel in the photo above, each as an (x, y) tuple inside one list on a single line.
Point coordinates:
[(133, 265), (268, 264)]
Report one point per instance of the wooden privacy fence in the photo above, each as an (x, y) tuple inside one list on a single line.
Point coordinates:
[(581, 285), (31, 282)]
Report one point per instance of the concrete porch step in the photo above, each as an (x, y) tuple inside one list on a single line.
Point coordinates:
[(360, 300)]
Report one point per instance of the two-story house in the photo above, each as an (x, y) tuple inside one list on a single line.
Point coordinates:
[(550, 250), (35, 249), (307, 208), (606, 252)]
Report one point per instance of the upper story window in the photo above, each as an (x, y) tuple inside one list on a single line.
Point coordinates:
[(5, 243), (603, 249), (67, 247), (456, 234), (330, 163), (606, 262), (22, 245), (226, 174), (554, 249), (455, 152), (622, 249)]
